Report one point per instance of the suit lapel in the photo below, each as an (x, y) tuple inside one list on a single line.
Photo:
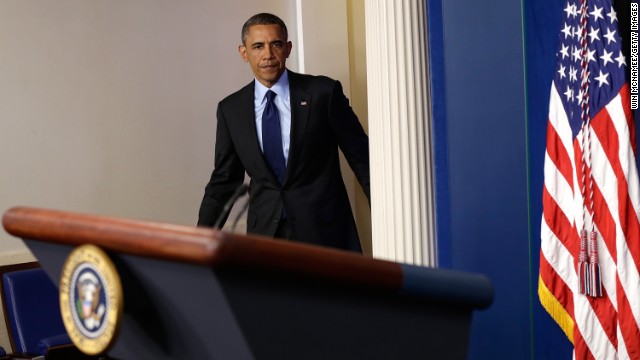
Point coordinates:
[(247, 116), (300, 103)]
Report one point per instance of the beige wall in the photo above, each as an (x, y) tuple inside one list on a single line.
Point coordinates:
[(108, 107)]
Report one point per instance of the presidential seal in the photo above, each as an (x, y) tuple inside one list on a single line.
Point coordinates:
[(90, 299)]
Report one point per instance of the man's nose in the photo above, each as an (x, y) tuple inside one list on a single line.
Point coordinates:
[(269, 51)]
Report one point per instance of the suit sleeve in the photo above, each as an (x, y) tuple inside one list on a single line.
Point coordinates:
[(227, 175), (350, 135)]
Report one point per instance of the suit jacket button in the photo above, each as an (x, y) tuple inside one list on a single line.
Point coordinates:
[(277, 220)]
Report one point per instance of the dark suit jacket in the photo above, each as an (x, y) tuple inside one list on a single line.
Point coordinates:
[(313, 193)]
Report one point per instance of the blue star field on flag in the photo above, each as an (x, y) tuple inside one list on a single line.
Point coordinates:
[(606, 61)]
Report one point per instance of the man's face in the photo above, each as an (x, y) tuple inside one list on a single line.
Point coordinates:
[(266, 50)]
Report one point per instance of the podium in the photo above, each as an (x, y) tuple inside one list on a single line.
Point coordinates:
[(197, 293)]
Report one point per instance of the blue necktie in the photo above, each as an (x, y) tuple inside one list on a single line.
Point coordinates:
[(272, 137)]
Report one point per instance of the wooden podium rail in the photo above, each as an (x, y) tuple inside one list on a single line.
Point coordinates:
[(196, 293)]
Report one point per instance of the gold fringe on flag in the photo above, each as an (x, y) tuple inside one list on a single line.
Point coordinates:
[(553, 307)]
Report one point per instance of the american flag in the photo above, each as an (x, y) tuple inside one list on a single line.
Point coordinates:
[(591, 197)]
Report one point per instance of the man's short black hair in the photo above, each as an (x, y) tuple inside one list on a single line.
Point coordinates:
[(263, 19)]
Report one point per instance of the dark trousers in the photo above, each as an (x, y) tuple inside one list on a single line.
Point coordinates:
[(284, 230)]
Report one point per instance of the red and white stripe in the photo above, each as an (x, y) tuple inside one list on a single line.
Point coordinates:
[(607, 327)]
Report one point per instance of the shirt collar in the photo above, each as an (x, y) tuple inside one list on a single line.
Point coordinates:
[(281, 88)]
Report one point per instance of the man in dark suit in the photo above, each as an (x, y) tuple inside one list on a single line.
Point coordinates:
[(284, 129)]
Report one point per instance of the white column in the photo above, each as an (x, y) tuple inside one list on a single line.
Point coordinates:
[(402, 209)]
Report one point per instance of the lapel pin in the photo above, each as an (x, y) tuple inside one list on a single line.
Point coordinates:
[(303, 103)]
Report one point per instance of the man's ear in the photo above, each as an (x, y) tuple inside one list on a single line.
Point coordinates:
[(289, 47), (243, 53)]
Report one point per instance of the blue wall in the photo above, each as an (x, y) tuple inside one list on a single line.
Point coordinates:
[(481, 162)]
